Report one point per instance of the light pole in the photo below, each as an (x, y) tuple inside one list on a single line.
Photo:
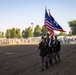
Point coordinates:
[(32, 26)]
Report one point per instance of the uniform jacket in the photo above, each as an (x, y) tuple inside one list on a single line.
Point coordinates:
[(56, 46), (43, 49)]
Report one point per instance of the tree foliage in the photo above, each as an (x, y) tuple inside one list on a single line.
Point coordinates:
[(23, 33), (43, 31), (37, 31), (18, 35), (2, 35), (72, 25), (27, 32), (13, 33), (8, 33)]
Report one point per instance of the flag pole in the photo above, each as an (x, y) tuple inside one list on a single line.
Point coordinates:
[(45, 10)]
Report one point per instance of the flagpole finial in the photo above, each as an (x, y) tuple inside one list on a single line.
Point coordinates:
[(49, 10), (45, 7)]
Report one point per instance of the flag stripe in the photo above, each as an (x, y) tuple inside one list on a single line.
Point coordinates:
[(46, 22)]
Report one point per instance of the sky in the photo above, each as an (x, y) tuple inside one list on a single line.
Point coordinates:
[(21, 13)]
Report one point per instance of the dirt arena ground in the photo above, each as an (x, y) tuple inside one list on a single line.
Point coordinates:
[(24, 60)]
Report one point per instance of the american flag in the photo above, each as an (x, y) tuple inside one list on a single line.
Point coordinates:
[(48, 24)]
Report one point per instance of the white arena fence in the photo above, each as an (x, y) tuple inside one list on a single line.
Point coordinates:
[(62, 39)]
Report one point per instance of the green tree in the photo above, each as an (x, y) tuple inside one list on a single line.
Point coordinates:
[(43, 31), (2, 35), (23, 33), (27, 33), (8, 33), (18, 33), (72, 25), (37, 31), (13, 33)]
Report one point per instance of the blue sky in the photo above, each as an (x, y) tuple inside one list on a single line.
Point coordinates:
[(20, 13)]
